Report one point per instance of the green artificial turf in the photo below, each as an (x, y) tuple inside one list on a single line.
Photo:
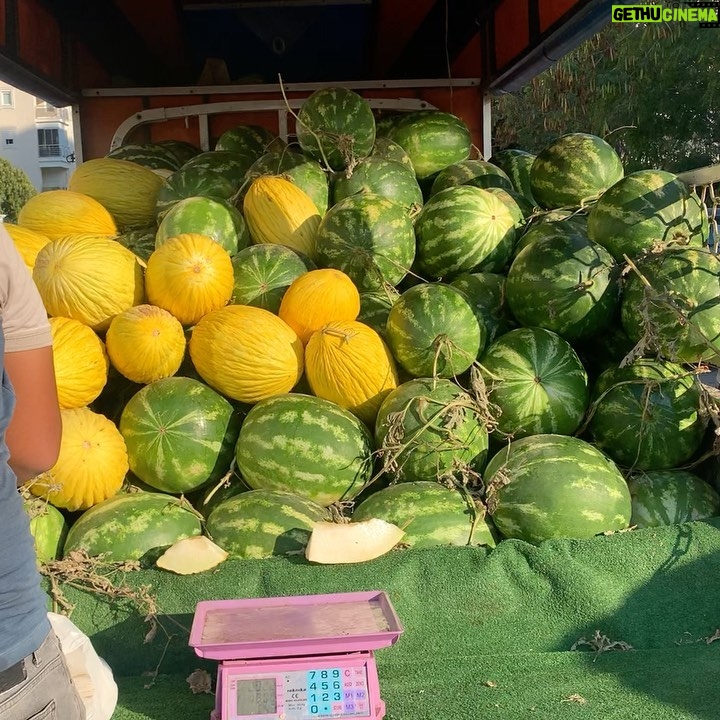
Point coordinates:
[(488, 634)]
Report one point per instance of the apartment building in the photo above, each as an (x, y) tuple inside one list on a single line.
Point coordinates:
[(36, 137)]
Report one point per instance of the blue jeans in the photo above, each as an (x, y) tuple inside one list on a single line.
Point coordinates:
[(41, 687)]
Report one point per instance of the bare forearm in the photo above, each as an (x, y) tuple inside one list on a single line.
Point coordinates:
[(33, 435)]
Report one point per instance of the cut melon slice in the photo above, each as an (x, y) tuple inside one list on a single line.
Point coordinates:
[(335, 543), (192, 555)]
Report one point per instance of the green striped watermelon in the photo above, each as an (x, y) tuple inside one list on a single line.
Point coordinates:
[(48, 528), (573, 169), (217, 219), (181, 150), (132, 526), (264, 523), (150, 155), (207, 499), (566, 283), (191, 182), (478, 173), (671, 497), (647, 415), (433, 139), (264, 272), (246, 140), (515, 202), (463, 229), (231, 165), (431, 429), (677, 313), (300, 169), (432, 331), (555, 486), (336, 126), (384, 147), (430, 513), (375, 307), (486, 294), (370, 238), (141, 241), (646, 210), (180, 434), (380, 176), (540, 228), (306, 446), (537, 381), (517, 165)]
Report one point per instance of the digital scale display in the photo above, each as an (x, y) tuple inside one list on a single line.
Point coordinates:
[(304, 657), (339, 692)]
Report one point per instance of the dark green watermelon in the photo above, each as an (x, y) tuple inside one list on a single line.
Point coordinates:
[(380, 176), (478, 173), (432, 331), (566, 283), (192, 182), (555, 486), (646, 210), (463, 229), (671, 304), (370, 238), (517, 164), (536, 381), (433, 139), (574, 169), (647, 415), (429, 430), (336, 126)]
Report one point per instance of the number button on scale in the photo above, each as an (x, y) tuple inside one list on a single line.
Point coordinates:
[(303, 657)]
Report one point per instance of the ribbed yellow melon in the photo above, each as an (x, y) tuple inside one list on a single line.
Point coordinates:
[(246, 353), (88, 278), (28, 242), (319, 297), (128, 191), (277, 211), (189, 275), (92, 464), (81, 363), (145, 343), (348, 363), (56, 213)]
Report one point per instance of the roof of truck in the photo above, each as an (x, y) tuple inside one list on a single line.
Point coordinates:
[(57, 48)]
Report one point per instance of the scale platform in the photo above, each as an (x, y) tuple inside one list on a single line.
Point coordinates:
[(302, 657)]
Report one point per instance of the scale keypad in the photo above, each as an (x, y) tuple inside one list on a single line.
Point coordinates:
[(313, 694)]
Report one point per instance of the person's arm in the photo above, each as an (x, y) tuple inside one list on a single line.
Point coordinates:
[(33, 435)]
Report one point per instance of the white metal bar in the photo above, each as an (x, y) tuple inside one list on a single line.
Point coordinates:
[(487, 126), (202, 111), (275, 87), (77, 136)]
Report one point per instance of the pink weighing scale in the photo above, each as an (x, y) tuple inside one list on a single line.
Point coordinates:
[(304, 657)]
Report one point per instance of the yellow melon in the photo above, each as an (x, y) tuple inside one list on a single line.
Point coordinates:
[(28, 242), (81, 363), (318, 297), (277, 211), (145, 343), (348, 363), (246, 353), (88, 278), (189, 275), (128, 191), (56, 213), (92, 464)]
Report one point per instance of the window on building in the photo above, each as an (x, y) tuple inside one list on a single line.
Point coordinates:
[(49, 142), (6, 98), (7, 139)]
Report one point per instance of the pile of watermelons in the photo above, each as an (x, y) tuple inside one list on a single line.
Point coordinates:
[(549, 321)]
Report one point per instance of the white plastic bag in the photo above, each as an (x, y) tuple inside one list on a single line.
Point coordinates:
[(92, 676)]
